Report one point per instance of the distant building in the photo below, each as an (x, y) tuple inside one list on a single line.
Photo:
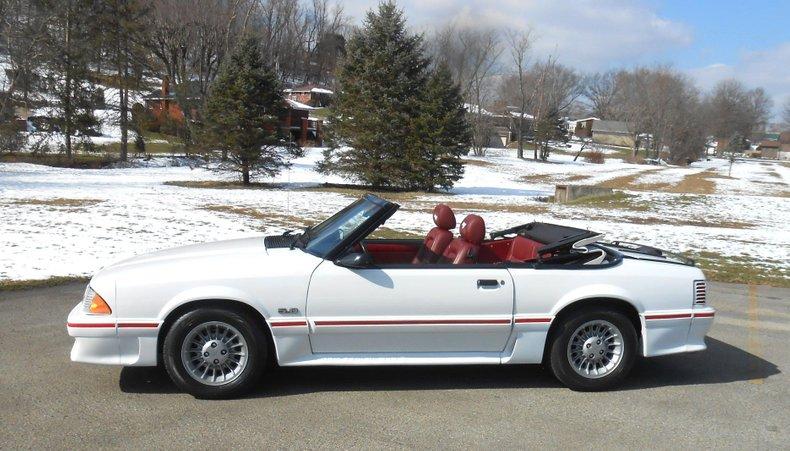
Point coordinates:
[(296, 121), (583, 127), (612, 133), (312, 95), (784, 142), (769, 149), (162, 103)]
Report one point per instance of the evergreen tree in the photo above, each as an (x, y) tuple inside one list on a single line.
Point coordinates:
[(242, 111), (68, 42), (372, 135), (124, 27), (443, 132)]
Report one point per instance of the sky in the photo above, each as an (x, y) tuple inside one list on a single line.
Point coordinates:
[(709, 40)]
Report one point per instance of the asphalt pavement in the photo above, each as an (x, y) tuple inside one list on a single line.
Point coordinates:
[(734, 395)]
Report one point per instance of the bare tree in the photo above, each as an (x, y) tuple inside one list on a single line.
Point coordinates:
[(732, 108), (557, 87), (519, 43), (472, 55), (601, 91), (786, 114)]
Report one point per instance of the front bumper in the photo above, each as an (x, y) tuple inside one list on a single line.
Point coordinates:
[(673, 332), (107, 341)]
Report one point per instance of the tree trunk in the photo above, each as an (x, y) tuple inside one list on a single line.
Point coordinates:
[(245, 174), (520, 152)]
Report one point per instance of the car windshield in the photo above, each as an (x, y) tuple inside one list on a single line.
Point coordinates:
[(325, 236)]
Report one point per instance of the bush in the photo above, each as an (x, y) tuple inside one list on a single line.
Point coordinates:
[(635, 159), (594, 156)]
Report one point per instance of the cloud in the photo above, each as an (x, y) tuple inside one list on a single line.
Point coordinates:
[(586, 34), (765, 68)]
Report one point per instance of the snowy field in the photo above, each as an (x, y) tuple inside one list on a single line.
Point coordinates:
[(59, 222)]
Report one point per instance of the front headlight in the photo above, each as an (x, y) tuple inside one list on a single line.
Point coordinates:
[(94, 304)]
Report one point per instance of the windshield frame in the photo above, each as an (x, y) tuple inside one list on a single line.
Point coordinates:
[(384, 209)]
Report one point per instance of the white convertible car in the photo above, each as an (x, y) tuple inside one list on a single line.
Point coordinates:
[(218, 315)]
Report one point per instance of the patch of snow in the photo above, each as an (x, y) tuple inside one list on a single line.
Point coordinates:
[(129, 211)]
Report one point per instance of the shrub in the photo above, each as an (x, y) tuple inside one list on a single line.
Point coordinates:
[(594, 156)]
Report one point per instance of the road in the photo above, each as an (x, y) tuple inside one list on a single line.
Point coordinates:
[(734, 395)]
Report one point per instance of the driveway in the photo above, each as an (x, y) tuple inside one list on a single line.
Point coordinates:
[(734, 395)]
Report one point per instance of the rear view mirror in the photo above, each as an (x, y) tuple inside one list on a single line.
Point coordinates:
[(357, 260)]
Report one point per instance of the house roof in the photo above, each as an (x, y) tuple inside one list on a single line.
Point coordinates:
[(770, 144), (298, 105), (310, 88), (586, 119), (610, 127)]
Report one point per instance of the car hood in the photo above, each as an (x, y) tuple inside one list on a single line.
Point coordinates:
[(235, 247)]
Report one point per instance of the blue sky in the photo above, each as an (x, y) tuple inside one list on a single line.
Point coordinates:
[(709, 40)]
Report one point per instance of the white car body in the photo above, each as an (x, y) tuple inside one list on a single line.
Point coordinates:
[(320, 313)]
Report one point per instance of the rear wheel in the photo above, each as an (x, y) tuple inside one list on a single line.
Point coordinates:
[(215, 353), (593, 350)]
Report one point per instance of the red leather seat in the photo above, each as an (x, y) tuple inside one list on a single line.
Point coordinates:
[(523, 249), (439, 237), (465, 249)]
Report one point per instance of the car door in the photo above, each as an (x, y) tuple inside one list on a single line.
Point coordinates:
[(409, 308)]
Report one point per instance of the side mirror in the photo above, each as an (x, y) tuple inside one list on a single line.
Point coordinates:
[(357, 260)]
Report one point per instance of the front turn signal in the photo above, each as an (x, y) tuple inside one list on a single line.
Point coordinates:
[(99, 306)]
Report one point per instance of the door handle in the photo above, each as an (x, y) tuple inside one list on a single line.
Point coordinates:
[(488, 283)]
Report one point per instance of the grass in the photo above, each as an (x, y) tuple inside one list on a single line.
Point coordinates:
[(217, 184), (276, 218), (616, 201), (79, 161), (58, 202), (732, 269), (698, 183), (15, 285)]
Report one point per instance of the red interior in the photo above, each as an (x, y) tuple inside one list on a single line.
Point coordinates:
[(467, 248), (517, 250)]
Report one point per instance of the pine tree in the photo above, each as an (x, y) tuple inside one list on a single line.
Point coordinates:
[(445, 134), (124, 28), (68, 43), (372, 135), (242, 111)]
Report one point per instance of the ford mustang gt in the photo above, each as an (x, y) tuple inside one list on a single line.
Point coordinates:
[(218, 315)]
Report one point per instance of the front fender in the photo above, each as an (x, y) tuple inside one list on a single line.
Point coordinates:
[(211, 292)]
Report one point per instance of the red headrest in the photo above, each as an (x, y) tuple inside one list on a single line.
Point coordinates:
[(444, 217), (473, 229)]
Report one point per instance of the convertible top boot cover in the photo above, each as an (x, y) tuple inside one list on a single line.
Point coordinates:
[(465, 249), (439, 237)]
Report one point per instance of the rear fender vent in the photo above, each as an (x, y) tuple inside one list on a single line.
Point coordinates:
[(700, 292)]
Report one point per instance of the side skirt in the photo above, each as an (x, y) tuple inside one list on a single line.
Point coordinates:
[(383, 359)]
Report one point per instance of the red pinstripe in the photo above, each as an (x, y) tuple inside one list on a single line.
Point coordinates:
[(532, 320), (669, 316)]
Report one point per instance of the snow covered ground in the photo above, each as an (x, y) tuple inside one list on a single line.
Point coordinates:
[(56, 221)]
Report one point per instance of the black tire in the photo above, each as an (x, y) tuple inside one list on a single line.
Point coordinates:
[(558, 350), (246, 326)]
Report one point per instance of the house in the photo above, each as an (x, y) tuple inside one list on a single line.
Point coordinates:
[(162, 103), (498, 126), (312, 95), (583, 127), (784, 149), (769, 149), (612, 133), (302, 128), (296, 120)]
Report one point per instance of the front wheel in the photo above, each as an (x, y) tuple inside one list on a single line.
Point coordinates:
[(214, 353), (593, 350)]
